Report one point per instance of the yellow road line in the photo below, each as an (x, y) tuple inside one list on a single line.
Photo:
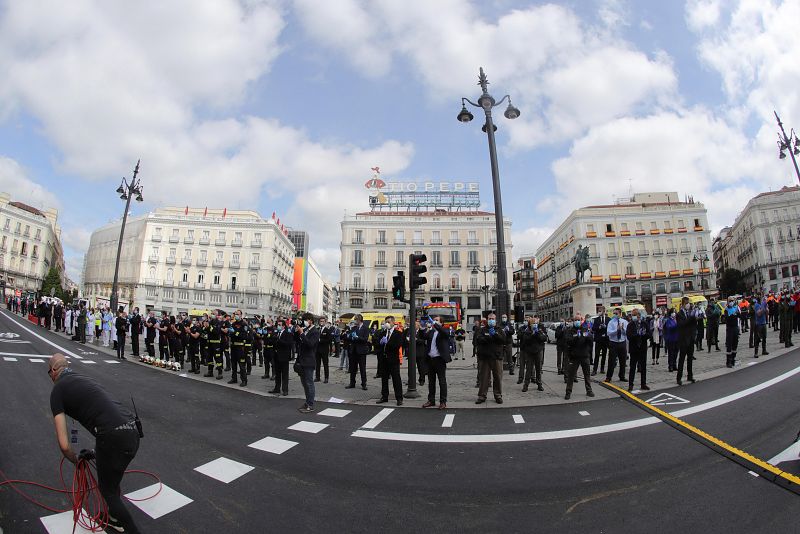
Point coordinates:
[(766, 466)]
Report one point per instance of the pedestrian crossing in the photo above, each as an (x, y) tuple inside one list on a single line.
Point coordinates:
[(37, 358)]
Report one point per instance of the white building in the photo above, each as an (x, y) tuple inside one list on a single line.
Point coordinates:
[(375, 245), (30, 244), (764, 241), (178, 259), (646, 249)]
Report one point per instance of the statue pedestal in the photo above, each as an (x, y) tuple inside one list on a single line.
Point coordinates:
[(584, 299)]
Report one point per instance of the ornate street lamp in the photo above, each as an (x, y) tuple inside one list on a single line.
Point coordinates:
[(125, 191)]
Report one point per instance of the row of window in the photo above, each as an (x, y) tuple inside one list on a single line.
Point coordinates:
[(454, 237), (434, 259), (19, 267), (15, 247), (255, 257), (202, 298), (639, 225), (18, 229), (434, 282)]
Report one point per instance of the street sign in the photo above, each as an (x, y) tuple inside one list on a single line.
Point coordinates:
[(664, 399)]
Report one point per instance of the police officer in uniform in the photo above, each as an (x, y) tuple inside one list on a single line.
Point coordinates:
[(237, 334), (248, 349)]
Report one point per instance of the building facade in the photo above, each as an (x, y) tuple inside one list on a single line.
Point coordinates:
[(178, 259), (764, 241), (300, 240), (375, 245), (646, 249), (525, 284), (30, 244)]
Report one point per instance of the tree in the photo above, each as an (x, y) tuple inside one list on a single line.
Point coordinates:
[(52, 284), (732, 282)]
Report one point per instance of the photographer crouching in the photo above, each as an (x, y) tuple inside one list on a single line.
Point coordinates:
[(113, 426)]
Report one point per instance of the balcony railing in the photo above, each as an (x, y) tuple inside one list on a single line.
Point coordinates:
[(220, 242), (183, 284), (436, 242), (155, 238), (658, 252), (356, 263), (216, 287), (188, 241), (153, 259), (399, 242), (199, 285), (436, 264), (186, 261), (454, 242), (627, 254), (236, 243), (643, 253), (204, 241), (685, 250), (174, 239), (380, 263), (218, 263), (611, 255), (417, 242), (255, 244), (472, 242), (455, 288), (672, 251), (399, 264), (233, 264), (170, 260), (455, 264), (255, 265)]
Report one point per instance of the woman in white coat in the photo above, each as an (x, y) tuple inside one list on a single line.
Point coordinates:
[(656, 333)]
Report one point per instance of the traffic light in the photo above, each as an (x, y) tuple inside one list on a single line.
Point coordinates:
[(399, 286), (417, 269)]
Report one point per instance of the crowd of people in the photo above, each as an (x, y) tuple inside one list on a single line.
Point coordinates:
[(609, 344)]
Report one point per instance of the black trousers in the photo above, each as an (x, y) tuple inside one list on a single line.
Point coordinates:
[(638, 359), (760, 337), (422, 361), (686, 348), (269, 361), (163, 349), (135, 344), (150, 347), (392, 369), (282, 377), (238, 363), (120, 345), (616, 351), (532, 363), (114, 451), (600, 351), (322, 361), (358, 362), (712, 334), (572, 372), (192, 351), (437, 370)]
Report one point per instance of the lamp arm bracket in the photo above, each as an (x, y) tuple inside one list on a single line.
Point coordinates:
[(464, 99)]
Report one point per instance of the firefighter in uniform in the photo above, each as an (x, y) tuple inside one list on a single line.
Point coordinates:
[(215, 347), (163, 340), (248, 349), (237, 335), (195, 333), (150, 334), (268, 335)]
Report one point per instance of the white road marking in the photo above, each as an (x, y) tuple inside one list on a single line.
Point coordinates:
[(663, 399), (168, 500), (790, 454), (36, 360), (378, 419), (751, 363), (572, 432), (20, 354), (448, 420), (336, 400), (584, 413), (308, 426), (333, 412), (273, 445), (59, 347), (88, 361), (111, 361), (61, 524), (224, 469), (9, 359), (518, 419)]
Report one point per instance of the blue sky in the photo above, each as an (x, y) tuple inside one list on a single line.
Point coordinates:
[(285, 105)]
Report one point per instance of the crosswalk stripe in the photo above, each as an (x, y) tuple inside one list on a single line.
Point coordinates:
[(518, 419), (448, 420)]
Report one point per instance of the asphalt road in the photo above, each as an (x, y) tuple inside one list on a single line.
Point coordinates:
[(648, 478)]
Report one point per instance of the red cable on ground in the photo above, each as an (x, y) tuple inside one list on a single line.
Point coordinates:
[(88, 507)]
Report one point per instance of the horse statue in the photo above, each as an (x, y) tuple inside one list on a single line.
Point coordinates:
[(581, 260)]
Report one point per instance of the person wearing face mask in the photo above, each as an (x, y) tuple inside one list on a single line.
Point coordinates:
[(671, 339), (760, 319), (638, 335), (378, 348), (599, 331), (283, 340), (531, 345), (490, 340), (307, 340), (237, 334), (617, 343), (687, 332), (656, 336), (344, 363), (561, 348), (419, 340), (579, 351), (732, 311), (392, 342), (359, 347), (712, 324), (438, 350), (323, 349), (786, 317), (150, 334), (508, 350)]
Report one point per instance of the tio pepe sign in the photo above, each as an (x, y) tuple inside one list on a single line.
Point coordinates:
[(432, 187)]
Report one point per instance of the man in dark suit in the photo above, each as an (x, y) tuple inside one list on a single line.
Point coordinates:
[(307, 339), (491, 341), (135, 321), (283, 341), (687, 332), (359, 348), (393, 341), (323, 349), (438, 349), (599, 327)]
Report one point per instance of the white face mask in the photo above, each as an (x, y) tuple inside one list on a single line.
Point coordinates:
[(306, 323)]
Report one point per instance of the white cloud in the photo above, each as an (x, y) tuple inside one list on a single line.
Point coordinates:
[(692, 153), (327, 259), (702, 14), (14, 181), (527, 241), (545, 56)]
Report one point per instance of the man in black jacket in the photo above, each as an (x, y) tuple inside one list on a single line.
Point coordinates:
[(599, 327), (490, 340), (323, 348), (359, 348), (393, 342), (638, 334), (531, 346), (283, 341), (438, 350), (562, 362), (687, 331), (307, 340), (121, 326), (579, 353), (135, 321)]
